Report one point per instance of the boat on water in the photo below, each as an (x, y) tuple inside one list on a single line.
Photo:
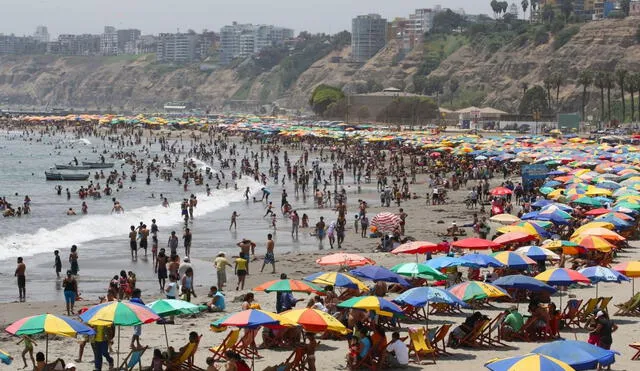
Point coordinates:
[(72, 167), (98, 165), (56, 175)]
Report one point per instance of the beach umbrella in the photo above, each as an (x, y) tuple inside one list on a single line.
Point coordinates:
[(377, 273), (386, 222), (561, 277), (481, 260), (505, 219), (474, 243), (519, 281), (336, 279), (289, 285), (415, 247), (600, 232), (5, 357), (344, 259), (514, 237), (578, 354), (420, 296), (172, 307), (594, 224), (587, 201), (537, 253), (252, 319), (599, 274), (375, 303), (629, 269), (598, 211), (446, 262), (119, 313), (513, 260), (533, 227), (567, 247), (418, 270), (313, 320), (49, 324), (618, 223), (500, 191), (476, 290), (528, 362), (593, 243)]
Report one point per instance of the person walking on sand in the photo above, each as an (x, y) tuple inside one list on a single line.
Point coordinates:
[(320, 229), (133, 244), (70, 286), (20, 274), (73, 260), (269, 257), (221, 264), (57, 263), (28, 348), (403, 220), (173, 243), (234, 217), (295, 223), (240, 269), (187, 242)]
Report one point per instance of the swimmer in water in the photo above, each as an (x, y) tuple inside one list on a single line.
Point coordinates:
[(71, 212)]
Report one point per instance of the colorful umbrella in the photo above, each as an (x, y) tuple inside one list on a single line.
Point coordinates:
[(537, 253), (481, 260), (500, 191), (376, 273), (519, 281), (314, 320), (567, 247), (476, 290), (336, 279), (415, 247), (561, 277), (528, 362), (599, 211), (386, 222), (119, 313), (252, 319), (420, 296), (629, 269), (289, 285), (378, 304), (599, 274), (172, 307), (594, 224), (577, 354), (446, 262), (513, 260), (593, 243), (600, 232), (473, 243), (513, 237), (344, 259), (417, 270)]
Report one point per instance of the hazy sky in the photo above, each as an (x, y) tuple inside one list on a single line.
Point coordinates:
[(153, 16)]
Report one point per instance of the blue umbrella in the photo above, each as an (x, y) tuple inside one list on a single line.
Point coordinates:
[(617, 222), (598, 274), (578, 354), (446, 262), (420, 296), (519, 281), (481, 260), (377, 273)]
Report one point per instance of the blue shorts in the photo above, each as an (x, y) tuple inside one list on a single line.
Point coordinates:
[(69, 297)]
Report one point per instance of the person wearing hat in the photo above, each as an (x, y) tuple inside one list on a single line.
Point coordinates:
[(603, 330), (221, 264), (513, 322)]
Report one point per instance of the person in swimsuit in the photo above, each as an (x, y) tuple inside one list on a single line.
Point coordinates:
[(22, 279), (161, 268), (133, 244), (73, 260)]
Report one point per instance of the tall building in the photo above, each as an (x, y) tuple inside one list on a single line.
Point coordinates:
[(128, 41), (178, 47), (368, 36), (109, 41), (243, 40), (42, 34)]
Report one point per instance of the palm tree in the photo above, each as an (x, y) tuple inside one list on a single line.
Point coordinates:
[(630, 85), (558, 81), (548, 84), (599, 82), (525, 5), (524, 87), (608, 84), (621, 76), (636, 77), (585, 79)]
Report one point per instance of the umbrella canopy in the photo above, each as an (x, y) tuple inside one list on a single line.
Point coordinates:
[(603, 274), (578, 354), (49, 324), (629, 269), (173, 307), (537, 253), (289, 285), (591, 225), (481, 260), (344, 259), (251, 318), (500, 191), (446, 262), (119, 313), (513, 260), (476, 290), (618, 222), (598, 211), (314, 320), (528, 362), (567, 247), (386, 222), (593, 243), (336, 279), (513, 237), (533, 227), (561, 277), (415, 247), (519, 281), (474, 243), (420, 296), (505, 219), (376, 273), (600, 232), (418, 270), (380, 305)]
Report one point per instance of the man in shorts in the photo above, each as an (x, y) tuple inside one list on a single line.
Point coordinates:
[(22, 279), (269, 258), (221, 264), (133, 244), (320, 229)]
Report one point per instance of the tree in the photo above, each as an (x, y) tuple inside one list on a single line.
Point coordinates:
[(524, 4), (534, 100), (625, 5), (434, 85), (558, 81), (548, 84), (524, 87), (566, 8), (609, 84), (599, 82), (495, 6), (504, 6), (621, 76), (454, 85), (630, 85), (447, 21), (323, 96), (585, 79), (547, 13), (534, 7)]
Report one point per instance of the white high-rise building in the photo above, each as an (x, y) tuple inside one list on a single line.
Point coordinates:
[(368, 36), (243, 40), (109, 41), (42, 34)]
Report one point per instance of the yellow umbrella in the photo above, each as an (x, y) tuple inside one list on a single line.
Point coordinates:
[(600, 232), (593, 243), (591, 225), (314, 320), (598, 192)]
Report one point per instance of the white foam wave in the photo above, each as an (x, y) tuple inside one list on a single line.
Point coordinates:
[(201, 164), (93, 227)]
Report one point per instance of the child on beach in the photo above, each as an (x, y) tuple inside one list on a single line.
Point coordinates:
[(240, 269), (28, 348), (57, 263)]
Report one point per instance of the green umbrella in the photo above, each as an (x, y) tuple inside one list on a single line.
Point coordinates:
[(586, 200), (546, 190), (418, 270), (629, 205), (172, 307)]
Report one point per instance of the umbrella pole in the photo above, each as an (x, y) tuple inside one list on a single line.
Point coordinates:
[(165, 334), (46, 350), (118, 353), (426, 314)]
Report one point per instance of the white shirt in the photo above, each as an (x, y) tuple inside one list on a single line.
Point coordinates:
[(173, 290), (400, 350)]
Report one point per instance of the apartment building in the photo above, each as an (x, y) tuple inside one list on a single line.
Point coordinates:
[(41, 34), (128, 41), (368, 36), (109, 41), (178, 47), (243, 40)]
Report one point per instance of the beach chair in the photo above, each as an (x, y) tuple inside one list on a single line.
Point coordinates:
[(440, 337), (297, 361), (635, 346), (414, 313), (588, 309), (246, 346), (570, 313), (229, 341), (444, 308), (491, 335), (184, 361), (472, 338), (133, 358), (629, 308), (367, 362), (419, 345), (525, 332), (604, 304)]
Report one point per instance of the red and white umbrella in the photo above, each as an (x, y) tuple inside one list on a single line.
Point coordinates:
[(415, 247), (500, 191), (512, 237), (386, 222), (345, 259)]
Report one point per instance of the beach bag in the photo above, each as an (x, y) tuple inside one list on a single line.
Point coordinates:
[(593, 339)]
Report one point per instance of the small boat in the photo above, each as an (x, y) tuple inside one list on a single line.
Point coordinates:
[(98, 165), (62, 176), (72, 167)]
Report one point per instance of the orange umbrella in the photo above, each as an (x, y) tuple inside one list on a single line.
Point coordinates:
[(344, 259), (593, 243), (600, 232)]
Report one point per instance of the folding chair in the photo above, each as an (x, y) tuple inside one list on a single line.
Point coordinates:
[(588, 309), (185, 360), (635, 346), (366, 362), (133, 358), (472, 338), (229, 341), (490, 336), (414, 313), (525, 332), (246, 346), (630, 307), (570, 313), (440, 337), (297, 361), (419, 345), (604, 303)]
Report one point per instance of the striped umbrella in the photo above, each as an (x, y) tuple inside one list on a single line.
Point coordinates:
[(600, 232), (314, 320), (537, 253), (289, 285), (476, 290), (417, 270), (386, 222), (561, 277), (528, 362), (252, 319), (513, 260), (172, 307), (375, 303), (513, 237), (336, 279), (629, 269), (593, 243)]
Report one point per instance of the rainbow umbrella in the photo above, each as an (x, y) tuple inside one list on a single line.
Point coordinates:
[(629, 269), (172, 307), (418, 270), (593, 243), (5, 357), (561, 277), (567, 247), (599, 274), (49, 324), (600, 232), (314, 320), (336, 279), (537, 253), (528, 362), (289, 285), (513, 260), (476, 290), (375, 303), (252, 319), (590, 225)]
